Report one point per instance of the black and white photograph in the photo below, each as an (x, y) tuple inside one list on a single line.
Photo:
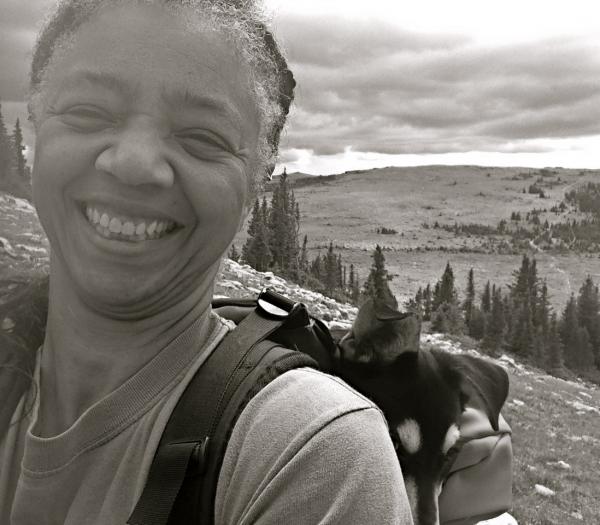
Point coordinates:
[(328, 262)]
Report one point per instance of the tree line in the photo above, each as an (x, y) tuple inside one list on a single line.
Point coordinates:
[(15, 176), (519, 319), (273, 245)]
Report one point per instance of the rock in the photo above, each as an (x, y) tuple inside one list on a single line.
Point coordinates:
[(7, 324), (577, 515), (518, 402), (544, 491), (559, 464)]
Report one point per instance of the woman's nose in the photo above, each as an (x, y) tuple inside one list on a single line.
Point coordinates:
[(136, 156)]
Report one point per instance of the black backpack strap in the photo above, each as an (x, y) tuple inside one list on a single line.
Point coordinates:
[(189, 448)]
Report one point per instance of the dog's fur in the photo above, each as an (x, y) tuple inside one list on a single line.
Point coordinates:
[(422, 394)]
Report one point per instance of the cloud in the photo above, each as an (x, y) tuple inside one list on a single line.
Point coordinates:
[(386, 90), (372, 86)]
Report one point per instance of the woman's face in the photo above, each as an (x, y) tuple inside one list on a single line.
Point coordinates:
[(143, 155)]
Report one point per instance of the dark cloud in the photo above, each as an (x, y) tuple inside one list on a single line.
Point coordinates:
[(375, 87), (391, 91)]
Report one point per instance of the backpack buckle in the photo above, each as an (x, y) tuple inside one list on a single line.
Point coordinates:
[(275, 305)]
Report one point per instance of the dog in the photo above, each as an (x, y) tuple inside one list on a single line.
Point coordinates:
[(422, 393)]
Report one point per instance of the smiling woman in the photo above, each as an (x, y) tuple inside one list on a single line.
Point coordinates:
[(155, 123)]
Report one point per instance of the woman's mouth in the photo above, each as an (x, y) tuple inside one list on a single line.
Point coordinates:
[(111, 225)]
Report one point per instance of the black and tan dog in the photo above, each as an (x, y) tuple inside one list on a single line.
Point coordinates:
[(422, 394)]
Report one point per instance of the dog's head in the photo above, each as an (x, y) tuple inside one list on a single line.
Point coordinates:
[(422, 394)]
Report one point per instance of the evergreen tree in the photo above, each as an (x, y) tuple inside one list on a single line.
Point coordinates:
[(6, 153), (304, 256), (448, 319), (469, 303), (588, 313), (427, 303), (445, 291), (316, 268), (493, 339), (256, 251), (330, 271), (18, 148), (532, 288), (376, 285), (486, 298), (477, 327), (522, 337), (416, 304), (355, 288), (578, 353), (255, 218), (522, 278), (555, 361)]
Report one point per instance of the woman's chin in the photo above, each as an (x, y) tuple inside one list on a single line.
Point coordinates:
[(121, 295)]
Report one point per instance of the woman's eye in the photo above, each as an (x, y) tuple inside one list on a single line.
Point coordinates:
[(203, 143), (87, 118)]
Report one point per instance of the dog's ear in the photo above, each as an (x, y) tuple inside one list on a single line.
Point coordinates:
[(385, 312), (484, 384), (380, 334)]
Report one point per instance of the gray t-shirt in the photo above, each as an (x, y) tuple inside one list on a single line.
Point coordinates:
[(307, 449)]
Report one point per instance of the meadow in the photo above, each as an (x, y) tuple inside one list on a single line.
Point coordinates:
[(349, 208)]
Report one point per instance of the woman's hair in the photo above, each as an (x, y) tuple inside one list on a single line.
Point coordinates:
[(241, 21)]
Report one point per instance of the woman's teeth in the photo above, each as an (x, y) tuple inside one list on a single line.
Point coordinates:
[(127, 228)]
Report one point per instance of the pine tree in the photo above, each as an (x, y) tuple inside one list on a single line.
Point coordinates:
[(555, 362), (541, 323), (427, 303), (588, 313), (522, 277), (578, 353), (304, 257), (6, 153), (448, 319), (493, 339), (255, 218), (256, 251), (18, 149), (486, 298), (355, 290), (316, 269), (469, 302), (445, 292), (330, 277), (522, 337), (377, 285)]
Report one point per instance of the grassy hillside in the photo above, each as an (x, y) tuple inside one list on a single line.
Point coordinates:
[(348, 208)]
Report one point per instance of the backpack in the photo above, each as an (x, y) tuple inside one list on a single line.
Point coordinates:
[(275, 335)]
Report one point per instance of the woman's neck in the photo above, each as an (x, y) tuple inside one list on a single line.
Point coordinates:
[(88, 354)]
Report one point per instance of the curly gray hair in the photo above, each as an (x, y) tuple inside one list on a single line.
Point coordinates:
[(241, 21)]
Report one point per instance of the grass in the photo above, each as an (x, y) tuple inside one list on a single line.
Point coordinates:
[(348, 209), (546, 429)]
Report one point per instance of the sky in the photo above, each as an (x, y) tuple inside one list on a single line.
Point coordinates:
[(396, 83)]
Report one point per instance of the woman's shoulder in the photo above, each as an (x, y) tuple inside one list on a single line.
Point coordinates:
[(310, 390), (304, 402)]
